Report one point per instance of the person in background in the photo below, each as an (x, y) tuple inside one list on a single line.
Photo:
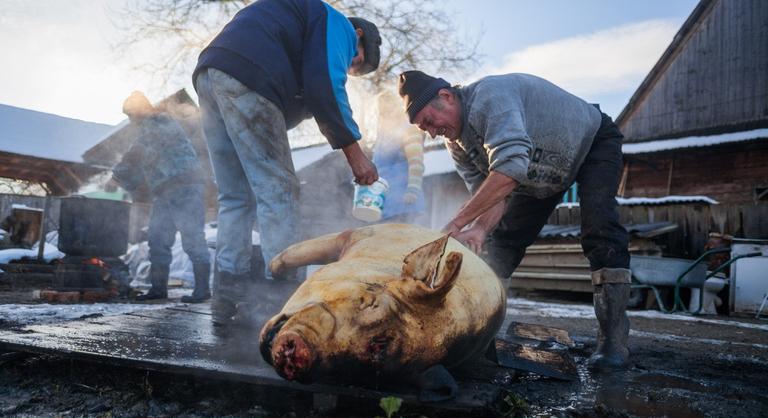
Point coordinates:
[(162, 159), (398, 154), (519, 142), (276, 63)]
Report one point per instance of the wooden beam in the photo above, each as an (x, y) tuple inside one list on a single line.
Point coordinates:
[(669, 175)]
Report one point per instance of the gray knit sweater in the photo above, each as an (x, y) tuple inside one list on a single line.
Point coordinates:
[(526, 128)]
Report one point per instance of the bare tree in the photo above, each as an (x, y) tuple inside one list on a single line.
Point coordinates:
[(415, 34)]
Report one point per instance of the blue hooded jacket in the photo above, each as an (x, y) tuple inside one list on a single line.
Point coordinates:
[(296, 54)]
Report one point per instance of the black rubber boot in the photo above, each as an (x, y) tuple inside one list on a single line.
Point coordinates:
[(158, 276), (612, 351), (202, 290), (229, 290)]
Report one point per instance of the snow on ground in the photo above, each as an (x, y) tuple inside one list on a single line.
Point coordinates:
[(681, 338), (50, 253), (518, 306)]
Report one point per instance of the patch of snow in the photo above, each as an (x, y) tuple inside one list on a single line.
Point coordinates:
[(25, 207), (694, 340), (693, 141), (627, 201), (666, 200), (518, 306), (50, 253)]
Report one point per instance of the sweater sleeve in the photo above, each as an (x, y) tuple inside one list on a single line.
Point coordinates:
[(330, 46), (502, 124)]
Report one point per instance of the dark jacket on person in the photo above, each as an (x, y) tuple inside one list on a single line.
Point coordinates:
[(162, 153), (296, 54)]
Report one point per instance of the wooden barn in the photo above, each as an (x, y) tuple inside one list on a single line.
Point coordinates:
[(698, 124)]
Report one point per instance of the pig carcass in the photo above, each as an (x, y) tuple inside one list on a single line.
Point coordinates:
[(392, 301)]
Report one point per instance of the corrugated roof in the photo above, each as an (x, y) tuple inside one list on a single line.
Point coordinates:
[(44, 135), (645, 230)]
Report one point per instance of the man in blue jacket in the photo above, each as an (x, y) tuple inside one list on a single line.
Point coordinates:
[(275, 64), (164, 160)]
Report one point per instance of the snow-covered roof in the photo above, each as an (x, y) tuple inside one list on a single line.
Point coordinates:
[(436, 161), (38, 134), (303, 157), (648, 201), (693, 141)]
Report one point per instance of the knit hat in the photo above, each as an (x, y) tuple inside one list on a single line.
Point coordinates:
[(137, 101), (371, 44), (417, 89)]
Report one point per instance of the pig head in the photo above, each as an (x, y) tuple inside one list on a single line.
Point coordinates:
[(392, 300)]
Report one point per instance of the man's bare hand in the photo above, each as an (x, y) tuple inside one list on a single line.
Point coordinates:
[(410, 198), (450, 229), (362, 168), (473, 238)]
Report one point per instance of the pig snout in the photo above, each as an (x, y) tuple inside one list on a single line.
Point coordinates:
[(292, 357)]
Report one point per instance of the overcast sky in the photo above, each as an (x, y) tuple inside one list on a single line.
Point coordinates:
[(57, 55)]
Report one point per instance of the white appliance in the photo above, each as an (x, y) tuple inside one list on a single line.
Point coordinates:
[(749, 276)]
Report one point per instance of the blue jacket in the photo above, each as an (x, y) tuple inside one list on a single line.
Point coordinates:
[(296, 54), (162, 153)]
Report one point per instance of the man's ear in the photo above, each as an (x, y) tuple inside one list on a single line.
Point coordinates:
[(359, 33), (446, 95)]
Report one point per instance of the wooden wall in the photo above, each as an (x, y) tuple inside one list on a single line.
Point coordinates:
[(717, 78), (726, 173), (695, 222)]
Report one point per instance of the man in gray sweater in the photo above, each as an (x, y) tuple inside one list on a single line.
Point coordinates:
[(519, 142)]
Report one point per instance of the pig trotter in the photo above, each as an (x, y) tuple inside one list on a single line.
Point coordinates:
[(292, 357), (436, 385)]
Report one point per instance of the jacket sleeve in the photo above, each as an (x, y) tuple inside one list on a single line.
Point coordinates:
[(128, 172), (329, 47), (467, 170)]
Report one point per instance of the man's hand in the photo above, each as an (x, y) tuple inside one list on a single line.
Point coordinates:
[(410, 198), (451, 229), (363, 169), (473, 238)]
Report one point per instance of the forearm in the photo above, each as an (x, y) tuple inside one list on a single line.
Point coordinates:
[(491, 193), (488, 221)]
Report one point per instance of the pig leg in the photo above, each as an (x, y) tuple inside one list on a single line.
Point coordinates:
[(321, 250)]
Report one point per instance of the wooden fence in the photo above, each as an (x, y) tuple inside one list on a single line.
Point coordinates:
[(695, 222)]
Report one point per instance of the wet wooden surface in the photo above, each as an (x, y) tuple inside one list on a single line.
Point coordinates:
[(183, 339)]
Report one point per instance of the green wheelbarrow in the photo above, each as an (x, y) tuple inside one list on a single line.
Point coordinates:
[(652, 272)]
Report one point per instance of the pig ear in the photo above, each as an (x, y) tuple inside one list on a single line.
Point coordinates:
[(423, 266)]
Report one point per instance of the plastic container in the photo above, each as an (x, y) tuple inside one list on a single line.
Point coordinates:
[(369, 200)]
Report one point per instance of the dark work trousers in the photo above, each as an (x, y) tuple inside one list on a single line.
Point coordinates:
[(603, 239), (178, 208)]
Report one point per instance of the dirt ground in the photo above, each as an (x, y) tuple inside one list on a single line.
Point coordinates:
[(682, 366)]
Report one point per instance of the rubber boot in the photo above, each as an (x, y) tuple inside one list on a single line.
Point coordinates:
[(229, 290), (158, 276), (202, 290), (611, 296)]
